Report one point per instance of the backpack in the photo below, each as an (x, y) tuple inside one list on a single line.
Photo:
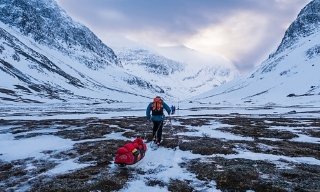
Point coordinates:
[(157, 107)]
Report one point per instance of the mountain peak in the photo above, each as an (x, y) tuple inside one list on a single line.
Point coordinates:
[(49, 25), (312, 8), (305, 25)]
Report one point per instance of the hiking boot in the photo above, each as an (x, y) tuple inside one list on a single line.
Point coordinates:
[(158, 143), (154, 139)]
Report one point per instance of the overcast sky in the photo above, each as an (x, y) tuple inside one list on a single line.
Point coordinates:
[(243, 31)]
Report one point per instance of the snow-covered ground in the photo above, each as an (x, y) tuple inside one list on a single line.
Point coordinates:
[(162, 164)]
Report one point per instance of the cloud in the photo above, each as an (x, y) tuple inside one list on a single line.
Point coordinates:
[(234, 37), (243, 31), (112, 15)]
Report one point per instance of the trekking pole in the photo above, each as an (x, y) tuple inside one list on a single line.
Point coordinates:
[(145, 136), (148, 126), (170, 122)]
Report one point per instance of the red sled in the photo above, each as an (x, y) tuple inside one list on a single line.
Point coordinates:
[(131, 153)]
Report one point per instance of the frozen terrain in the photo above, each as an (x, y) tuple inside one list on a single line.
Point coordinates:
[(206, 148)]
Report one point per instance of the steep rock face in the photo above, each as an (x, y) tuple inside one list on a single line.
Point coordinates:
[(303, 29), (50, 26), (22, 52), (15, 61), (306, 24)]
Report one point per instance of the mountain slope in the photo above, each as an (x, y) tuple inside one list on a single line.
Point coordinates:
[(49, 25), (28, 70), (290, 74)]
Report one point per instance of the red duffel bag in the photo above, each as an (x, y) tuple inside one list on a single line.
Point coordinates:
[(131, 153)]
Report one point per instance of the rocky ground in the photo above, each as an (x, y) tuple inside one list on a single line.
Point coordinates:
[(235, 174)]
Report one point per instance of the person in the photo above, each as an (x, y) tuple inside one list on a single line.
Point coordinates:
[(173, 109), (157, 116)]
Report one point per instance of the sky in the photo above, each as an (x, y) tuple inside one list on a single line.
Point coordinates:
[(244, 32)]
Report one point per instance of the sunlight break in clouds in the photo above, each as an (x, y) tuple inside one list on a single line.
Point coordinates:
[(236, 36)]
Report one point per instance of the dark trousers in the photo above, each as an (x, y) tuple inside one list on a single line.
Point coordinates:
[(157, 129)]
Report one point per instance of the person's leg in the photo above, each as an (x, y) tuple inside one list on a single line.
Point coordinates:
[(159, 135), (155, 127)]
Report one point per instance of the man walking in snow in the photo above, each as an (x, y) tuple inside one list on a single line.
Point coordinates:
[(157, 117)]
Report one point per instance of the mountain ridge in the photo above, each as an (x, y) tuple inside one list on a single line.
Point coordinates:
[(58, 33)]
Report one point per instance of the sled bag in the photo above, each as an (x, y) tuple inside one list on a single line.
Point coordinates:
[(131, 153)]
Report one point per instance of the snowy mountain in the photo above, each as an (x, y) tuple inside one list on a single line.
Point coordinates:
[(47, 24), (182, 80), (45, 55), (290, 74)]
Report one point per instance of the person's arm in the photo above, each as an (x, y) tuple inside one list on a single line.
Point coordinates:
[(148, 111), (167, 108)]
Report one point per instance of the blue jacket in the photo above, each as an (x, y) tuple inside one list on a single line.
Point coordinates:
[(157, 117)]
